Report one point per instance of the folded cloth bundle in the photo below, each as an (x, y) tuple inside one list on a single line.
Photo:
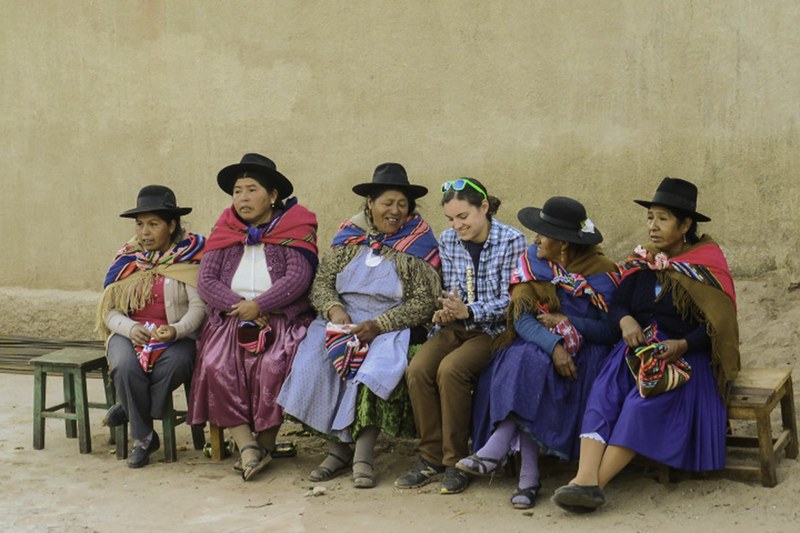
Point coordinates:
[(150, 352), (345, 352), (653, 375), (572, 337), (253, 338)]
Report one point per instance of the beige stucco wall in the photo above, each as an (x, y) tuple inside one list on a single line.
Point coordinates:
[(596, 100)]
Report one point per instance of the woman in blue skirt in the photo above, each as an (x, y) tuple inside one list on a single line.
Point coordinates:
[(677, 297), (532, 395)]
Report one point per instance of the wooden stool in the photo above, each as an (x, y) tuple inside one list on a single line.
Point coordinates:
[(172, 418), (73, 363), (216, 435), (754, 395)]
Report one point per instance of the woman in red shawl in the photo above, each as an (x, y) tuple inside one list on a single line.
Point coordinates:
[(254, 278), (676, 305)]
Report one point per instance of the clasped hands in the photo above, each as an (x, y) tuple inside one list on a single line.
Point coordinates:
[(633, 335), (366, 331), (562, 360), (453, 308), (140, 335)]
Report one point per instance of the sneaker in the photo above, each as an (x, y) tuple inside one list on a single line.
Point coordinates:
[(420, 475), (454, 481), (140, 456)]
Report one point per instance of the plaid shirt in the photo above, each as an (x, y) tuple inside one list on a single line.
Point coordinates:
[(498, 258)]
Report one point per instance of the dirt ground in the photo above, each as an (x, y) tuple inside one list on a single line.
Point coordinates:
[(58, 489)]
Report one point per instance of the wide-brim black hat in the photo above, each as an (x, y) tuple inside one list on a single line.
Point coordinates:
[(261, 168), (678, 194), (392, 176), (156, 198), (563, 219)]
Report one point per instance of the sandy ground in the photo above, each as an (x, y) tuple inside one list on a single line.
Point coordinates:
[(59, 489)]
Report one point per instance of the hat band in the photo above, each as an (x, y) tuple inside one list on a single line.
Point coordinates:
[(673, 200), (154, 201), (561, 223)]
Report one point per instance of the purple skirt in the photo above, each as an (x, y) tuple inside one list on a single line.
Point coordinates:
[(521, 383), (231, 387), (683, 428)]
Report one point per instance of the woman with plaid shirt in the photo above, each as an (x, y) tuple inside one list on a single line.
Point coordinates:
[(478, 256)]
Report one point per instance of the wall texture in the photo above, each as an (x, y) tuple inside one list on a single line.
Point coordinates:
[(595, 100)]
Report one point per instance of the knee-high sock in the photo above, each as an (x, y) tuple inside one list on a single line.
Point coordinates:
[(529, 469), (365, 444), (499, 443), (266, 439), (242, 435)]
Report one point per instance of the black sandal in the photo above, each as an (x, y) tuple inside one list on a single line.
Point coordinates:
[(481, 467), (363, 477), (530, 497), (255, 466), (323, 473)]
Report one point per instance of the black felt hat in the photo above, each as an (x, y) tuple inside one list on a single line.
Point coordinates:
[(156, 198), (391, 175), (678, 194), (262, 169), (561, 218)]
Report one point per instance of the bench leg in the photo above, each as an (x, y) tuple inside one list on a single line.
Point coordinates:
[(69, 399), (217, 437), (111, 398), (121, 440), (82, 411), (789, 420), (39, 395), (765, 450), (198, 436), (168, 424)]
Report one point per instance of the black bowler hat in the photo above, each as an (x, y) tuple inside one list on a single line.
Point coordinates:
[(679, 194), (393, 176), (561, 218), (262, 170), (156, 198)]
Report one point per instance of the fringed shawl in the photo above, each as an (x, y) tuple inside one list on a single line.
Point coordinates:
[(129, 280), (592, 275), (702, 290), (414, 237)]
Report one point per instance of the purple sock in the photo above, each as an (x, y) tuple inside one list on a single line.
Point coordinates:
[(499, 443), (529, 469)]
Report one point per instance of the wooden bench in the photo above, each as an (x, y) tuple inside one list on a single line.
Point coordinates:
[(754, 395), (74, 363)]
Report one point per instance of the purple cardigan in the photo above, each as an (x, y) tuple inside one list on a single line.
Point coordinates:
[(291, 277)]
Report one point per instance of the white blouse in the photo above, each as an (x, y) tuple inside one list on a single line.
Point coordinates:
[(252, 276)]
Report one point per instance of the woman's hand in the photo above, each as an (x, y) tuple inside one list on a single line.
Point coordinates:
[(452, 302), (366, 331), (551, 320), (443, 317), (165, 333), (563, 363), (139, 334), (632, 332), (338, 315), (245, 310), (675, 349)]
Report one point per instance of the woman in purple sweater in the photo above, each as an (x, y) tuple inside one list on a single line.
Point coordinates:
[(255, 276)]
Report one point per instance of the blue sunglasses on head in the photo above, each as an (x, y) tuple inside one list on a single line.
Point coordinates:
[(459, 184)]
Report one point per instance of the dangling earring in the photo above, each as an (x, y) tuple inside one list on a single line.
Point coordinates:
[(273, 205), (684, 238)]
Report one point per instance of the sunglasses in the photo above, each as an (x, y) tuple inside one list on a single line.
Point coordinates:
[(459, 184)]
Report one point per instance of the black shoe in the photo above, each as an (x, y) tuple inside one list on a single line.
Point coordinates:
[(454, 481), (115, 416), (579, 498), (420, 475), (140, 456)]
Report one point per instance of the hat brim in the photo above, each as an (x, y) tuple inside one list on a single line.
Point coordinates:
[(413, 191), (226, 178), (529, 217), (697, 217), (180, 211)]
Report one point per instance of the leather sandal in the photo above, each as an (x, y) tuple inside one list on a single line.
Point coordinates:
[(251, 468), (323, 473), (482, 466), (363, 476), (525, 498)]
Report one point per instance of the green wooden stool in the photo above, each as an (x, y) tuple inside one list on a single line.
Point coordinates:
[(74, 363), (172, 418)]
